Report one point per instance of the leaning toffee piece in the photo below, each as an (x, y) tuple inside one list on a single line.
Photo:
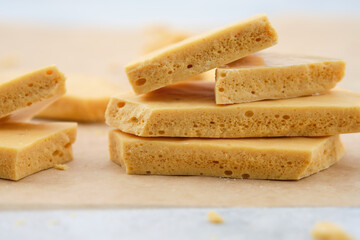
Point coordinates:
[(188, 110), (160, 36), (21, 97), (264, 158), (275, 76), (27, 148), (201, 53)]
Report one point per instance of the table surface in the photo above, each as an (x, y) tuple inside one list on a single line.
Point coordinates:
[(189, 223)]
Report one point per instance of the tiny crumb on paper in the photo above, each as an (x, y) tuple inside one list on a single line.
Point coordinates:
[(215, 218), (62, 167), (329, 231), (54, 222), (20, 223)]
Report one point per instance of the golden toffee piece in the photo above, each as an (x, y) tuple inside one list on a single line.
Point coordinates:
[(262, 158), (275, 76), (199, 54), (21, 97), (188, 110), (27, 148), (85, 100)]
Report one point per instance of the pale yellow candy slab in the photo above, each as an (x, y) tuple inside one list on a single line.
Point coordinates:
[(261, 158), (189, 110), (27, 148), (85, 100), (276, 76)]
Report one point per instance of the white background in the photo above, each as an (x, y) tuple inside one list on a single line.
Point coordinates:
[(112, 13)]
